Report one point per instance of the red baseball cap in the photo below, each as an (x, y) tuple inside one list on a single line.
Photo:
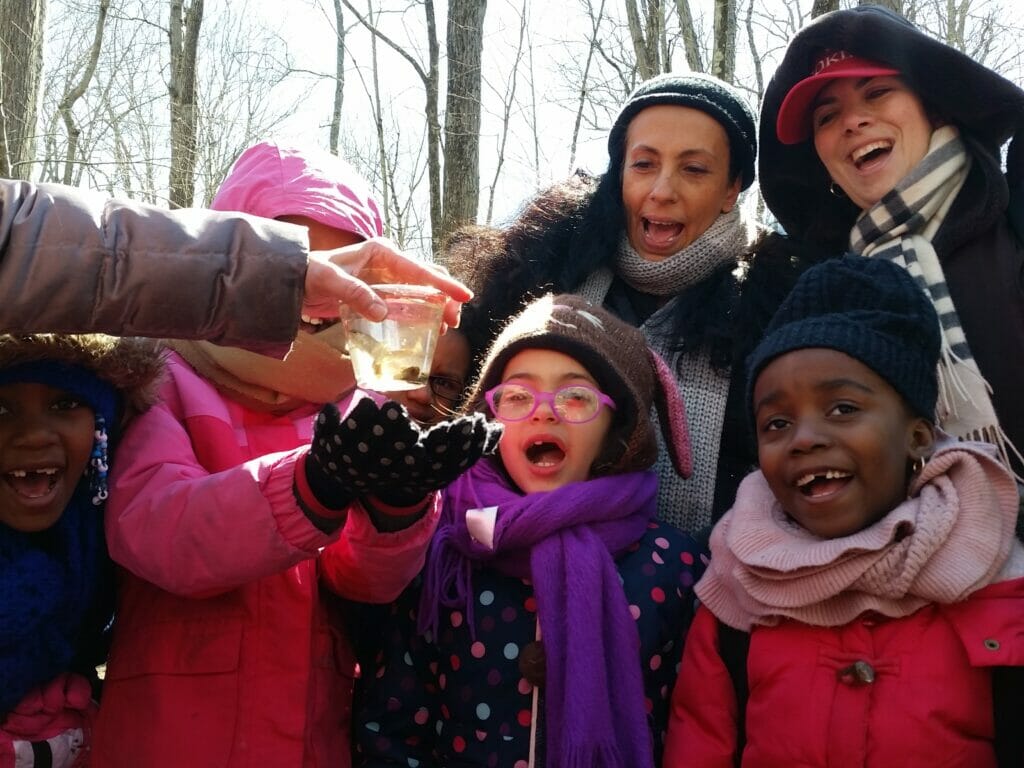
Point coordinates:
[(793, 124)]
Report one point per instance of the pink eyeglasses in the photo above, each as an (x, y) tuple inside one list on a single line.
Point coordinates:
[(573, 404)]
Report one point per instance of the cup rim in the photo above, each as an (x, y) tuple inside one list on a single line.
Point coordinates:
[(408, 290)]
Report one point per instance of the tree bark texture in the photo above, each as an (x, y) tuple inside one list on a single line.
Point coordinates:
[(339, 77), (462, 114), (723, 58), (21, 64), (689, 35), (823, 6), (183, 31), (76, 91)]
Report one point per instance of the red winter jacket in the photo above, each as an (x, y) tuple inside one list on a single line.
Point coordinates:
[(225, 654), (929, 704)]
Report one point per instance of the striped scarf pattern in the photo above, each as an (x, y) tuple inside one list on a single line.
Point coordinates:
[(900, 227)]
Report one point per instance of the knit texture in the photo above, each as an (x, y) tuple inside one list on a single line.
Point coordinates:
[(953, 536), (698, 91), (564, 541), (869, 309), (617, 356)]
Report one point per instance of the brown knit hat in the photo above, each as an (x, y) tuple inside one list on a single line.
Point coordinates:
[(617, 356)]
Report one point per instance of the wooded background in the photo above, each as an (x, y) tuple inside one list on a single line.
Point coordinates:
[(455, 111)]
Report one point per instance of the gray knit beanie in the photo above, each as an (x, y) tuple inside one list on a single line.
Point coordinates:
[(617, 356), (708, 94), (869, 309)]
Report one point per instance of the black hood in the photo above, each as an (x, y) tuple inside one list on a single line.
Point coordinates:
[(988, 109)]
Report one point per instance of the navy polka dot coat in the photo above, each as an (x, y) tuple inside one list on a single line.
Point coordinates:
[(461, 700)]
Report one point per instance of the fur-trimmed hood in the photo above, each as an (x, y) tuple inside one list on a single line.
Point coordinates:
[(988, 109), (133, 366)]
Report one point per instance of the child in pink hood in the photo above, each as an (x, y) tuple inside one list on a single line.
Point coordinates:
[(229, 516), (864, 603)]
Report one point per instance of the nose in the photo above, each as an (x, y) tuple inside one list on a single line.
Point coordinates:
[(664, 188), (422, 395), (854, 118), (809, 435), (544, 412), (33, 433)]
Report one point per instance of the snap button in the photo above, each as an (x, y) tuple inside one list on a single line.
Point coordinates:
[(991, 644), (858, 673)]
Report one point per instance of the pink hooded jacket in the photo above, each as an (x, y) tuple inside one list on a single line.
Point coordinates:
[(225, 654)]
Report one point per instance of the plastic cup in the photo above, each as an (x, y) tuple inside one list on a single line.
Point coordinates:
[(395, 353)]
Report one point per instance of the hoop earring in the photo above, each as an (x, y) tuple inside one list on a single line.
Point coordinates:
[(917, 465), (836, 191)]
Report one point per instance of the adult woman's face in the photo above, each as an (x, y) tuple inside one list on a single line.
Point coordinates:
[(675, 178), (869, 133)]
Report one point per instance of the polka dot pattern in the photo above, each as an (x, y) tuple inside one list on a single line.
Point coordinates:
[(463, 699)]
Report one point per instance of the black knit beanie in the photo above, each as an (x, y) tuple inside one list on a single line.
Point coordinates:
[(708, 94), (617, 356), (869, 309)]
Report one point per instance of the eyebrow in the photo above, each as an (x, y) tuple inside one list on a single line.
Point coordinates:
[(829, 385), (684, 153), (532, 377)]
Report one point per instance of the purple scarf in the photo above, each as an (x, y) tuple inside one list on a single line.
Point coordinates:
[(564, 541)]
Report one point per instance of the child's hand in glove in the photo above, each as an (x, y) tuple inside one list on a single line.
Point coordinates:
[(380, 451)]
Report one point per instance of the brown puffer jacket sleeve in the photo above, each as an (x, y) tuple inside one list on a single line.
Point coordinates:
[(74, 261)]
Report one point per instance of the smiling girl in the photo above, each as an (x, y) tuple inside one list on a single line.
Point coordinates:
[(62, 402), (865, 594), (548, 622)]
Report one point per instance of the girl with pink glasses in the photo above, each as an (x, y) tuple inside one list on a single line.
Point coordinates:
[(547, 624)]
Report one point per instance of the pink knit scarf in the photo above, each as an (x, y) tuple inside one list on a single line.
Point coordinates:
[(952, 537)]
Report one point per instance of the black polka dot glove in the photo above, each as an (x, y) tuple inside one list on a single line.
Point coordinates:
[(379, 451)]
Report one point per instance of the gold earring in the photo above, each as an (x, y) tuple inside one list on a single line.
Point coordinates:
[(917, 465)]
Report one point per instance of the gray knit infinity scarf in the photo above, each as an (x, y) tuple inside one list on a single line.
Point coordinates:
[(723, 243)]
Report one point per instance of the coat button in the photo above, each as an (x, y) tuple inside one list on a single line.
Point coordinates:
[(991, 644), (858, 673)]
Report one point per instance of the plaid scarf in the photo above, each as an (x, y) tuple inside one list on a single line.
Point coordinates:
[(900, 227)]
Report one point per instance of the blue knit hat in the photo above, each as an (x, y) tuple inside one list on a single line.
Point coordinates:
[(710, 95), (869, 309)]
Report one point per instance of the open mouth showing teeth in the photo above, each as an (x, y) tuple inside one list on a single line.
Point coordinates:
[(32, 483), (823, 482), (871, 152), (662, 230), (544, 454), (315, 324)]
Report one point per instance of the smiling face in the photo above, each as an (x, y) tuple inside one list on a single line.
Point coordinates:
[(834, 440), (542, 452), (869, 133), (46, 438), (675, 179)]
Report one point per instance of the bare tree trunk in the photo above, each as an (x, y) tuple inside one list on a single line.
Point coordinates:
[(378, 119), (823, 6), (645, 35), (181, 86), (76, 91), (689, 36), (892, 5), (595, 25), (432, 81), (510, 98), (462, 114), (339, 77), (21, 64), (723, 58)]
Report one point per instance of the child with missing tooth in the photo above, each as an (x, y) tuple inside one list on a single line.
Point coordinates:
[(864, 603), (63, 403), (232, 522), (548, 622)]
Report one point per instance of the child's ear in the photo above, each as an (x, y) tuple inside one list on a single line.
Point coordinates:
[(920, 439)]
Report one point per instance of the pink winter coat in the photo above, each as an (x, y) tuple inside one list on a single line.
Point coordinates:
[(224, 654), (928, 701)]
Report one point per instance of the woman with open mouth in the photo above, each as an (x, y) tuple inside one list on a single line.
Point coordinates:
[(879, 139)]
